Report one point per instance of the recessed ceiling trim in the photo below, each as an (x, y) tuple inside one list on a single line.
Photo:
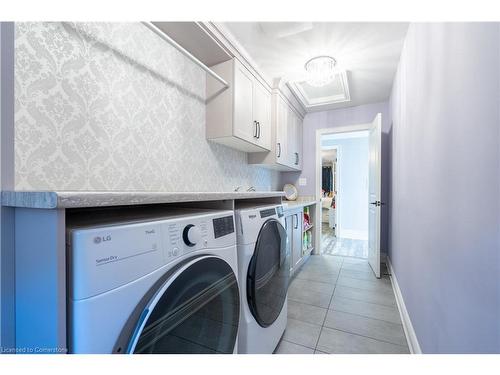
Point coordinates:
[(311, 102)]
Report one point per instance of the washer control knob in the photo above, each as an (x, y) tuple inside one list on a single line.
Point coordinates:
[(191, 235)]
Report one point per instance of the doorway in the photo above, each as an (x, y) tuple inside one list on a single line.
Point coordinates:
[(348, 189), (344, 190)]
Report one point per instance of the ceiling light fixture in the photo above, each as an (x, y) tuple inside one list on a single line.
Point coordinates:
[(321, 70)]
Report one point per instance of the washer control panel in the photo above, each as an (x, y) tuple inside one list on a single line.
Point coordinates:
[(223, 226)]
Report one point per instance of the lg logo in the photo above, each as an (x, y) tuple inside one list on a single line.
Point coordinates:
[(99, 239)]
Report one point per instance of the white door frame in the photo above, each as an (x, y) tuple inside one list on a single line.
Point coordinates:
[(319, 134), (337, 185)]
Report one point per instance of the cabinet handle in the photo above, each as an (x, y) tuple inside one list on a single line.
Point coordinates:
[(258, 127), (255, 131), (297, 222), (296, 158), (279, 149)]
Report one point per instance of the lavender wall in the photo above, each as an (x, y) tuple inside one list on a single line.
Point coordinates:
[(445, 223), (342, 117)]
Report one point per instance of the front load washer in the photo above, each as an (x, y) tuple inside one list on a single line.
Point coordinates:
[(264, 271), (164, 284)]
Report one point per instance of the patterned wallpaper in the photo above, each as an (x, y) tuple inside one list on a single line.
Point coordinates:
[(108, 106)]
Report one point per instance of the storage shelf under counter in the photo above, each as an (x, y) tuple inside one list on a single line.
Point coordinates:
[(302, 235), (34, 227)]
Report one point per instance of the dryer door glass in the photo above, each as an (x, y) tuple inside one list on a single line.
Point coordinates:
[(268, 274), (196, 312)]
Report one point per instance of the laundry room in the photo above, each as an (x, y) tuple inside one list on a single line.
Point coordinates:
[(248, 186)]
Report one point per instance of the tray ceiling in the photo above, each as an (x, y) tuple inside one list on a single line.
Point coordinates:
[(367, 53)]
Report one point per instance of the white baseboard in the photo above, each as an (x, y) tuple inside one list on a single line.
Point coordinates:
[(411, 336), (354, 234)]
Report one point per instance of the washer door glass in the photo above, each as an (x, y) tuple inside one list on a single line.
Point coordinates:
[(195, 311), (268, 274)]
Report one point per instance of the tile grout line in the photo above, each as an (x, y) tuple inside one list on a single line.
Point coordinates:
[(367, 317), (373, 303), (328, 308), (294, 343), (367, 337)]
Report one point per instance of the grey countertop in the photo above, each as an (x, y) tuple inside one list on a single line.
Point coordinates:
[(298, 203), (77, 199)]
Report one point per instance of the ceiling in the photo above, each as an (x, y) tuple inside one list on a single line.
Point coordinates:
[(368, 52)]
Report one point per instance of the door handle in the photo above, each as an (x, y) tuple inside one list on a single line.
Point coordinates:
[(279, 149), (377, 203)]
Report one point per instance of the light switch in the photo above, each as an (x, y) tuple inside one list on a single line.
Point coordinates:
[(302, 181)]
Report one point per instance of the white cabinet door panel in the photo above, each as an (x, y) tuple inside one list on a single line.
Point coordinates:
[(244, 126), (262, 114), (281, 132)]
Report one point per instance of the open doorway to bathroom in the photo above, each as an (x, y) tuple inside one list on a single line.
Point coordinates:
[(344, 193)]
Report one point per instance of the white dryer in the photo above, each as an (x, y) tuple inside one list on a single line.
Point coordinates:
[(264, 271), (161, 284)]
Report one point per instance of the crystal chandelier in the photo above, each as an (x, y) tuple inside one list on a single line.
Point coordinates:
[(320, 70)]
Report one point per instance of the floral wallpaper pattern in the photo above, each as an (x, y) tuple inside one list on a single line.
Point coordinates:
[(109, 106)]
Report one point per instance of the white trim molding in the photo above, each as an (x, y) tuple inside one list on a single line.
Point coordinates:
[(411, 336), (321, 103), (317, 169)]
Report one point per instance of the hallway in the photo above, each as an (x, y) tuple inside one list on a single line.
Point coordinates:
[(345, 247), (337, 306)]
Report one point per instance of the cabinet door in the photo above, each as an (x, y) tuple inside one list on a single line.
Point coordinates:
[(262, 114), (289, 221), (298, 141), (281, 131), (297, 239), (244, 126), (290, 128)]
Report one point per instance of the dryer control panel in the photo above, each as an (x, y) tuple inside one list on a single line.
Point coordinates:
[(106, 257)]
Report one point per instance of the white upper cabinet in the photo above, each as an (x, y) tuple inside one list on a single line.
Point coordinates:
[(240, 116), (286, 138)]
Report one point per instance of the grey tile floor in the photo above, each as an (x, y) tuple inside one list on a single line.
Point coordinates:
[(337, 306)]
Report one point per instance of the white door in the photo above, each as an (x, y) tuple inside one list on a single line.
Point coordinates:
[(374, 198)]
